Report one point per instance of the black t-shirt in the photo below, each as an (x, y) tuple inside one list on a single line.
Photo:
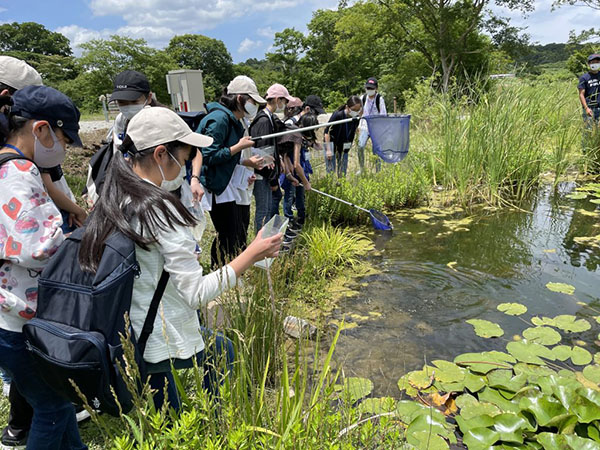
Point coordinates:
[(590, 83), (342, 133)]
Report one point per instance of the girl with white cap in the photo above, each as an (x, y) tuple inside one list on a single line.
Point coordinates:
[(137, 201), (213, 168)]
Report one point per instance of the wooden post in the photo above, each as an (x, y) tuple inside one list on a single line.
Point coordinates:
[(395, 105)]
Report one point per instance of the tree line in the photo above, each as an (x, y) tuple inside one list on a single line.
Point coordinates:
[(401, 42)]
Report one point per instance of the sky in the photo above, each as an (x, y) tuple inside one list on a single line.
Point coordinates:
[(246, 26)]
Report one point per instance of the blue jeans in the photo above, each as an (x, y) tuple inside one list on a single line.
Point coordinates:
[(54, 425), (65, 226), (217, 347), (292, 191), (342, 163), (263, 196), (276, 197), (330, 164)]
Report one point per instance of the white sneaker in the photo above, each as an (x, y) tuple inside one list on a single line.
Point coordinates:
[(5, 389), (82, 415)]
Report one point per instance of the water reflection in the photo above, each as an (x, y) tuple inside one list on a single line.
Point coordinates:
[(507, 256)]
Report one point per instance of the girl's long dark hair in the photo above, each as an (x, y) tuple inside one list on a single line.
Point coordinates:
[(353, 100), (126, 198)]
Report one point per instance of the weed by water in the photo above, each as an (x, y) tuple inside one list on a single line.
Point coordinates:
[(496, 148)]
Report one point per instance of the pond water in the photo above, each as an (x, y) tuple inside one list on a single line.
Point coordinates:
[(415, 310)]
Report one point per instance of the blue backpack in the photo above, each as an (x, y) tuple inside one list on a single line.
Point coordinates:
[(75, 338)]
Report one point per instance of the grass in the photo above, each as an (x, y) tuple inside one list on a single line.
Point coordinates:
[(287, 394)]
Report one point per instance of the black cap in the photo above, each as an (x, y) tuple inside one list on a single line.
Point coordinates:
[(593, 56), (129, 85), (314, 101), (46, 103), (371, 83)]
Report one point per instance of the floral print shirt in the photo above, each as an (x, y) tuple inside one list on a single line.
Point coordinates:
[(29, 234)]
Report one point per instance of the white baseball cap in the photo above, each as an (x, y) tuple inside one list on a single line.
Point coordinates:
[(245, 85), (17, 73), (157, 125)]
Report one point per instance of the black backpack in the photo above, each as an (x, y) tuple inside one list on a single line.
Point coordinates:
[(75, 338), (100, 161), (377, 100)]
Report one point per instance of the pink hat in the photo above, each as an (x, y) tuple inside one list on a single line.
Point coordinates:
[(278, 91), (294, 102)]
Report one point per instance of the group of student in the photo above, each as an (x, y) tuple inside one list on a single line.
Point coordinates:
[(161, 178)]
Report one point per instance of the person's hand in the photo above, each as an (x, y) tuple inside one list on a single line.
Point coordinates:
[(78, 218), (251, 180), (197, 190), (307, 186), (245, 142), (294, 181), (589, 112), (265, 248), (256, 162)]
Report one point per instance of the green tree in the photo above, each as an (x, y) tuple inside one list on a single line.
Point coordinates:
[(194, 51), (102, 59), (33, 37), (289, 47), (446, 31)]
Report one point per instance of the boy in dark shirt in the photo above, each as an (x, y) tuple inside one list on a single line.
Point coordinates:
[(589, 88)]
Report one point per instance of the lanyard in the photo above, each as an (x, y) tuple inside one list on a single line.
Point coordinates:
[(14, 148)]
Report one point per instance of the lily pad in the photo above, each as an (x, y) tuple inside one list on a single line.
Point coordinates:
[(421, 217), (448, 372), (565, 322), (470, 407), (377, 405), (512, 309), (485, 361), (563, 288), (428, 440), (542, 335), (580, 356), (510, 427), (562, 352), (566, 441), (543, 407), (355, 388), (485, 328), (480, 438), (592, 373), (577, 195), (529, 352)]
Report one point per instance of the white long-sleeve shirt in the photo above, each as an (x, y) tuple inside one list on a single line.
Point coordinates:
[(176, 331), (29, 234)]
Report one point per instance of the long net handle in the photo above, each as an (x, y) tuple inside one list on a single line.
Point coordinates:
[(340, 200), (299, 130)]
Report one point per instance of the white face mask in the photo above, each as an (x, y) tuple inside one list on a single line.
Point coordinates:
[(280, 108), (175, 183), (131, 110), (251, 109), (47, 157), (370, 92), (353, 113), (595, 66)]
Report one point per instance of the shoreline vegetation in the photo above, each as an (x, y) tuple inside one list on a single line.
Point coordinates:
[(491, 146)]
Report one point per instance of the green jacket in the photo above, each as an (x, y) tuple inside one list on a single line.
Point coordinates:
[(217, 163)]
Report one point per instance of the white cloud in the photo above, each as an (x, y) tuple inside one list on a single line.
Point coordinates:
[(155, 36), (248, 45), (546, 26), (185, 15), (266, 32)]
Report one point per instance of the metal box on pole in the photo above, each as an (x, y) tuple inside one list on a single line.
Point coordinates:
[(186, 89)]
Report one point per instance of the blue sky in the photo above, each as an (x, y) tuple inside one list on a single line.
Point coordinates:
[(246, 26)]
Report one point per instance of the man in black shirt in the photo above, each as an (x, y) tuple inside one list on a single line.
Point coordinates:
[(589, 88)]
